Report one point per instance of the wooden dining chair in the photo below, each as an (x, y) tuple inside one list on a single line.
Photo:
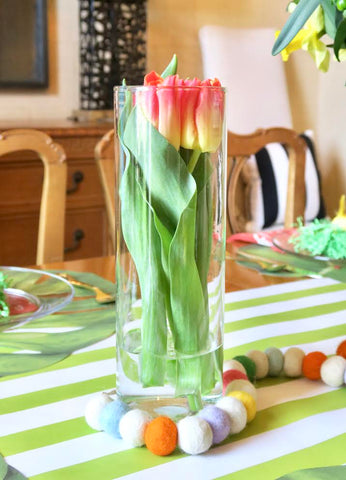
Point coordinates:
[(240, 148), (105, 160), (50, 244)]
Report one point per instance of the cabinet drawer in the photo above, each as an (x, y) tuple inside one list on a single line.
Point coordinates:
[(18, 236), (18, 239), (21, 187), (93, 223)]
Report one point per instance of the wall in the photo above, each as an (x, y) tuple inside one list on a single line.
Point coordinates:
[(317, 100)]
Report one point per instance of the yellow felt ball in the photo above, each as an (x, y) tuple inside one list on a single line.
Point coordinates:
[(248, 401)]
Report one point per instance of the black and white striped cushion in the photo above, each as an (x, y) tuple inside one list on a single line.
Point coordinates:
[(266, 176)]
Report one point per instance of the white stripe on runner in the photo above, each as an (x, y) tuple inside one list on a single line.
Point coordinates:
[(292, 390), (248, 335), (284, 306), (250, 451), (65, 454), (57, 378), (43, 415), (278, 289), (328, 346)]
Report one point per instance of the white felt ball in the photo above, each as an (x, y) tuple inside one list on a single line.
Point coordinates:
[(293, 362), (332, 371), (236, 411), (242, 386), (93, 410), (132, 426), (194, 435), (233, 365), (261, 362)]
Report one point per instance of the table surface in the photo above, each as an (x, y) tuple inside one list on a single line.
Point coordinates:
[(237, 277), (299, 424)]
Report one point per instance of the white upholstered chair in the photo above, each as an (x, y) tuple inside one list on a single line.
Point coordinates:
[(258, 100)]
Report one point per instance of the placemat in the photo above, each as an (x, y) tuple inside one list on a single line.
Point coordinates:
[(79, 324)]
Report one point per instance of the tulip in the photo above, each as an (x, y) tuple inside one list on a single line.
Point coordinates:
[(188, 113)]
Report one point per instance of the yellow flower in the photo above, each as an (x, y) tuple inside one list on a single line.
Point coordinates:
[(308, 39)]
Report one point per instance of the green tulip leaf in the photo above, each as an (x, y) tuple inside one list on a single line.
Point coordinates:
[(171, 68), (129, 366), (172, 204), (296, 21), (340, 38)]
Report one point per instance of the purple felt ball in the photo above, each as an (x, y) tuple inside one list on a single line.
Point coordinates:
[(218, 420)]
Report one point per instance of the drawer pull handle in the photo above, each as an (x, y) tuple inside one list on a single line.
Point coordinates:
[(77, 178), (78, 236)]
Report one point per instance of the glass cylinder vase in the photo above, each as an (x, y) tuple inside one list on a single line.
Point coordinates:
[(170, 256)]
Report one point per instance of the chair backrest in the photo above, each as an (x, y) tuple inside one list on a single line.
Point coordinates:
[(105, 161), (50, 244), (240, 148), (255, 80)]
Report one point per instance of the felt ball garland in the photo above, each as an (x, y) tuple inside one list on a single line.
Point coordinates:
[(195, 434)]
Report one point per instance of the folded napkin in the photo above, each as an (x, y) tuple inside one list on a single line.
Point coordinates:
[(265, 237)]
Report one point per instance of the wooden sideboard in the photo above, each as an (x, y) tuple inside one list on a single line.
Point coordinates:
[(21, 175)]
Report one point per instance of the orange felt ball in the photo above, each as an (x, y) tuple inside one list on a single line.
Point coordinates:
[(341, 350), (312, 365), (161, 436)]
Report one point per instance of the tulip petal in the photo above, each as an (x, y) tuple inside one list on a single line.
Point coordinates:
[(169, 109), (189, 101), (209, 115)]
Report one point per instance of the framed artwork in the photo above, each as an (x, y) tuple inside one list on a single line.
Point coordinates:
[(23, 44)]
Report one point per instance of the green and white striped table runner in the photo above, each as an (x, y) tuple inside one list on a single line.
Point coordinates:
[(299, 424)]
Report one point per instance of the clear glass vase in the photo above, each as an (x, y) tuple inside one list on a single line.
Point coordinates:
[(170, 256)]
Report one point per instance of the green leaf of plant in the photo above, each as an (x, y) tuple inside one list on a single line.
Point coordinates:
[(14, 474), (340, 38), (141, 236), (171, 68), (329, 17), (13, 363), (3, 467), (296, 21), (64, 342)]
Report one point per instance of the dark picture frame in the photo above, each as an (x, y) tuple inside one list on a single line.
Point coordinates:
[(23, 44)]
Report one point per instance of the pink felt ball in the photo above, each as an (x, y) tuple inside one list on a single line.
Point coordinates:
[(230, 375)]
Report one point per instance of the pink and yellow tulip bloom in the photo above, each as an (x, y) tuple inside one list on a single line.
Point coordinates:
[(188, 113)]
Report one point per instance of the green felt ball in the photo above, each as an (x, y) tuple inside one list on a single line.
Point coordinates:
[(249, 366), (275, 360)]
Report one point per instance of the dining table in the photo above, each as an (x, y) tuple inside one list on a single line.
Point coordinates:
[(299, 431)]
